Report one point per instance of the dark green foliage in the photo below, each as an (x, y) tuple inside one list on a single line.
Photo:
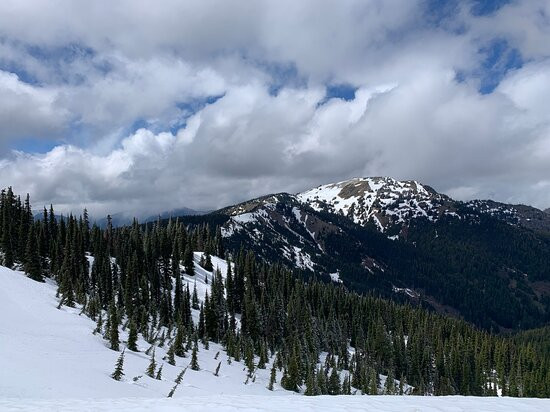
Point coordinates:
[(119, 368), (207, 262), (152, 367), (132, 336), (334, 387), (113, 328), (272, 377), (194, 365), (311, 384), (291, 314), (179, 378), (188, 261), (489, 272), (158, 376), (170, 356), (172, 391), (32, 260)]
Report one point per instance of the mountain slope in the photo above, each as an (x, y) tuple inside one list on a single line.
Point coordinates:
[(381, 200), (52, 353), (484, 261), (52, 362)]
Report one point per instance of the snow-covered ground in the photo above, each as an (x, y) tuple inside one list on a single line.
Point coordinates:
[(51, 361), (295, 403)]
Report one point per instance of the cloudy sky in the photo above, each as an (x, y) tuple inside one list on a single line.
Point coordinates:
[(141, 106)]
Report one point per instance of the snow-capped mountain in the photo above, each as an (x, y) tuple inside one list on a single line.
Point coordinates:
[(385, 202), (387, 235), (381, 200)]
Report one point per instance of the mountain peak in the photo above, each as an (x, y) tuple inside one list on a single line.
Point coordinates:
[(384, 200)]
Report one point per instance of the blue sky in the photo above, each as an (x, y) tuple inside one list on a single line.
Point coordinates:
[(201, 104)]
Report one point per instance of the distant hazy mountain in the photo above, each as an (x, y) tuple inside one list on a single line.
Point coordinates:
[(121, 219)]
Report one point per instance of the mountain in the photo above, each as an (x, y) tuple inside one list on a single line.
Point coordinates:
[(484, 261), (381, 200), (122, 219), (519, 215), (183, 211), (156, 301)]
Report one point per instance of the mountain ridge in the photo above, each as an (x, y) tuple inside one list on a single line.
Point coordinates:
[(387, 236)]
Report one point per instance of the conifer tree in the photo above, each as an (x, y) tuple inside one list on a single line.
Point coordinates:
[(152, 366), (389, 386), (346, 386), (172, 391), (113, 328), (158, 376), (179, 350), (334, 383), (195, 298), (179, 378), (194, 365), (32, 259), (188, 261), (208, 262), (170, 355), (119, 368), (132, 336), (373, 382), (311, 384), (272, 377)]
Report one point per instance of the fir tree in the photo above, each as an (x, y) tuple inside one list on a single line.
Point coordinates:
[(373, 382), (113, 328), (208, 262), (195, 298), (119, 368), (389, 386), (188, 261), (311, 384), (158, 376), (334, 383), (152, 366), (32, 259), (194, 365), (170, 355), (179, 378), (172, 391), (132, 336), (272, 377)]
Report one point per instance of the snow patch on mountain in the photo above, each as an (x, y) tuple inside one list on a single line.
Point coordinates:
[(335, 277), (382, 200)]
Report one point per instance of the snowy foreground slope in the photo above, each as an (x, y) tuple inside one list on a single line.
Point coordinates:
[(286, 403), (51, 361)]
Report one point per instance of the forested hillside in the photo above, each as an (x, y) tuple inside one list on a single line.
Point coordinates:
[(482, 261), (319, 336)]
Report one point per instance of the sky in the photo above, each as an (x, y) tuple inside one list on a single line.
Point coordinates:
[(141, 107)]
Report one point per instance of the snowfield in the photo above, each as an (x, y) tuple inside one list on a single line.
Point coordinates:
[(51, 361), (293, 403)]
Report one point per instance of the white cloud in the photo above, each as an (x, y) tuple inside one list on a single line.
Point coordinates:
[(27, 111), (109, 66)]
